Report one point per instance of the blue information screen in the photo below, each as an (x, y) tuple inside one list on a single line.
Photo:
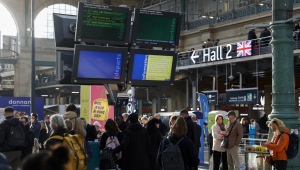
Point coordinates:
[(152, 67), (99, 65)]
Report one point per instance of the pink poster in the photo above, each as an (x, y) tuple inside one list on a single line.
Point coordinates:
[(100, 110)]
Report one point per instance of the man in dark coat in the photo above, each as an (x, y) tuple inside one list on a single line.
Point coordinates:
[(121, 124), (252, 37), (265, 33), (162, 126), (29, 138), (198, 132), (190, 125), (91, 133), (134, 146), (13, 154), (263, 124)]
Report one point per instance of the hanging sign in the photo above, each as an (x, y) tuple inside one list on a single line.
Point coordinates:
[(212, 97), (242, 96)]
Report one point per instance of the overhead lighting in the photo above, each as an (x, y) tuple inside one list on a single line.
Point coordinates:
[(203, 16), (211, 17), (261, 4), (45, 95), (57, 88), (75, 92)]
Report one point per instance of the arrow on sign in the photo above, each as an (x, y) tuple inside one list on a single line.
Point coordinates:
[(194, 56)]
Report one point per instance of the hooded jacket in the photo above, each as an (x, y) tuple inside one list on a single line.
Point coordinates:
[(4, 131), (135, 146), (278, 146), (79, 124)]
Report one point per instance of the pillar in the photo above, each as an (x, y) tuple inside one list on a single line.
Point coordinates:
[(169, 105), (140, 106), (153, 106), (268, 99)]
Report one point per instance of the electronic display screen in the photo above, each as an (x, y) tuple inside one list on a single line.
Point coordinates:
[(152, 67), (156, 28), (99, 65), (103, 24)]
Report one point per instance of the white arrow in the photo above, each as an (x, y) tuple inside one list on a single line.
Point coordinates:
[(194, 56)]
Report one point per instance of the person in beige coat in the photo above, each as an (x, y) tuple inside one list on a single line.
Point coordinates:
[(235, 138), (218, 132), (72, 115)]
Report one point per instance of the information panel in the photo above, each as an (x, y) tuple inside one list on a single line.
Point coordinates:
[(100, 24), (152, 67), (153, 28), (212, 97), (242, 96), (102, 65)]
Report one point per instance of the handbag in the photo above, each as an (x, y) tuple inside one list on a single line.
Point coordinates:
[(225, 141), (268, 160)]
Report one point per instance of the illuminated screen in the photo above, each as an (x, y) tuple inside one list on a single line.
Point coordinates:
[(152, 67), (155, 28), (104, 25), (99, 65)]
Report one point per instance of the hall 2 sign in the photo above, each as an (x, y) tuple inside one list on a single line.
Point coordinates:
[(213, 55)]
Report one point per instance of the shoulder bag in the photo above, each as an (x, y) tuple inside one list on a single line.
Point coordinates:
[(225, 141)]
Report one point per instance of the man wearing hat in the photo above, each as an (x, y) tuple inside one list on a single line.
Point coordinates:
[(235, 138)]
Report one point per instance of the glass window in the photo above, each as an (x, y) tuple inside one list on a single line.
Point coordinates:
[(44, 20)]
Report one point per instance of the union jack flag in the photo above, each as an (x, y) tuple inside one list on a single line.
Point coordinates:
[(244, 48)]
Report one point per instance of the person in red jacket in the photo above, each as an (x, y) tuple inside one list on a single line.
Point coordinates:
[(279, 144)]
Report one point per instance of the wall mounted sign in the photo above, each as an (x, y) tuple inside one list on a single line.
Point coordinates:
[(212, 97)]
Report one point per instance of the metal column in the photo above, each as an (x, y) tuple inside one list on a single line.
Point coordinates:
[(32, 96)]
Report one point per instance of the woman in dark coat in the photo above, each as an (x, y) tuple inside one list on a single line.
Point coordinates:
[(155, 139), (43, 134), (111, 129), (186, 145), (135, 146)]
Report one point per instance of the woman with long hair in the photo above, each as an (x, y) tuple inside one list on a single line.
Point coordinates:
[(186, 145), (218, 132), (111, 131), (279, 144), (144, 121), (43, 134), (155, 139), (245, 128)]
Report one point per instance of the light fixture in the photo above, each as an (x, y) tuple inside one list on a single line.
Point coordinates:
[(45, 95), (211, 17), (75, 92), (203, 16), (261, 4), (57, 88), (231, 76)]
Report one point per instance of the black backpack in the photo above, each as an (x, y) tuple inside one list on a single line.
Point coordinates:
[(108, 160), (293, 147), (172, 158), (210, 139), (16, 136)]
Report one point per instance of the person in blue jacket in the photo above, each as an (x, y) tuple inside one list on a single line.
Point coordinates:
[(35, 125)]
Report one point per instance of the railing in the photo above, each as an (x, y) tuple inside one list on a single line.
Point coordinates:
[(260, 46), (147, 3), (46, 81)]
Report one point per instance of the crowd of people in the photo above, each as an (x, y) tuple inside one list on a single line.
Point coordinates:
[(136, 143)]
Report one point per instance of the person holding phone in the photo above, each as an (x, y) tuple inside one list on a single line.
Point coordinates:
[(218, 132)]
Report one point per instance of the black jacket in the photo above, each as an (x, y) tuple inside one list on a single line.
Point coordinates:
[(188, 151), (263, 122), (52, 142), (105, 137), (190, 129), (122, 127), (135, 146), (162, 127), (43, 137), (198, 132), (251, 35), (29, 142), (155, 139), (91, 133), (265, 33), (4, 132)]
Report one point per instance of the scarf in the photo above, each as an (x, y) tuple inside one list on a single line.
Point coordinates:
[(222, 126)]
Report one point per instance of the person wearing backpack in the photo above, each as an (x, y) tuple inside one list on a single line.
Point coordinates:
[(12, 138), (29, 138), (155, 139), (178, 148), (111, 138), (279, 144), (134, 146), (75, 143), (72, 115)]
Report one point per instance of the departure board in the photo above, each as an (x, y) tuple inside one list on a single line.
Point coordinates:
[(98, 24), (103, 24)]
